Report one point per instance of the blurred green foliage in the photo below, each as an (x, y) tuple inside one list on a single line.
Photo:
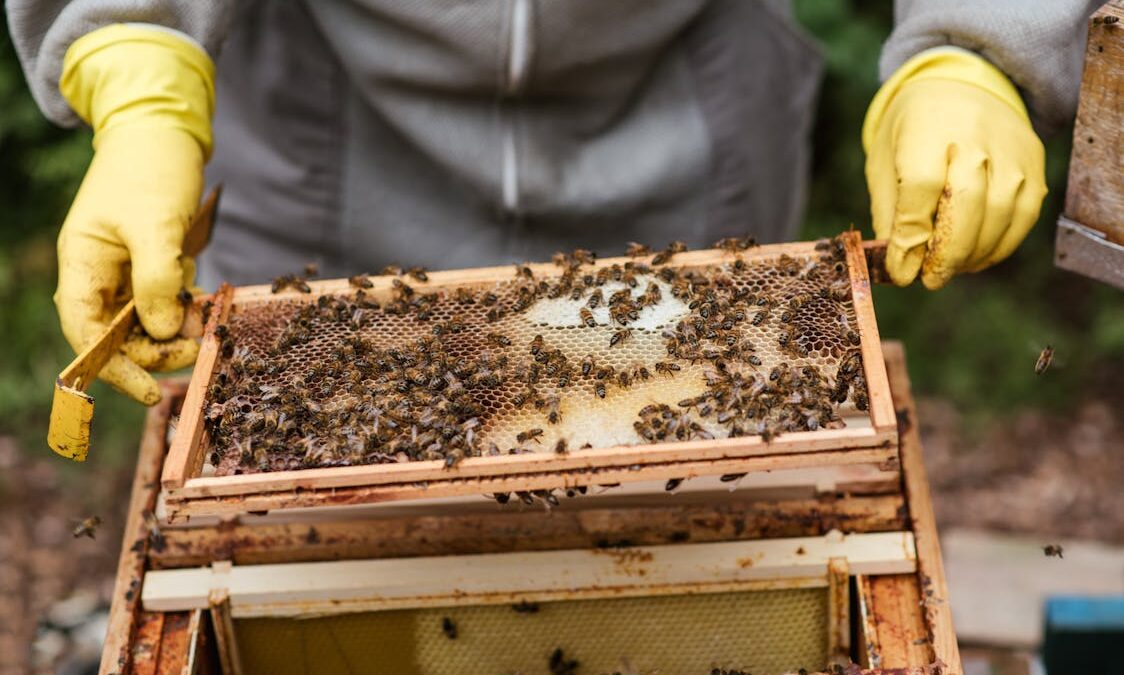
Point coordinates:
[(974, 342), (40, 170)]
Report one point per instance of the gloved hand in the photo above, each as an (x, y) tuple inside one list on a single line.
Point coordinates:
[(955, 171), (148, 95)]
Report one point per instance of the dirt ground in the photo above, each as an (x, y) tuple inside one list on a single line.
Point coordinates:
[(1055, 477)]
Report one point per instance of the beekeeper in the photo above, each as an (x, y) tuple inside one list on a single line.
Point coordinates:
[(452, 134)]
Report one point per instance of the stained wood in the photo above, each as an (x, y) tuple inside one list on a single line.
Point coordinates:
[(442, 581), (222, 623), (145, 648), (903, 637), (1095, 191), (185, 456), (839, 610), (884, 458), (874, 367), (495, 532), (130, 566), (930, 567), (869, 649), (679, 453)]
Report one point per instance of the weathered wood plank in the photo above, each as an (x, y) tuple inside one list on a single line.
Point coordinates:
[(342, 539), (1095, 191), (130, 566), (930, 567)]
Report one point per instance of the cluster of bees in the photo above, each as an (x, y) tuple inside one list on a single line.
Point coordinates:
[(423, 399)]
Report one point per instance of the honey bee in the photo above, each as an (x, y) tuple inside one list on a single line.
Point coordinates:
[(667, 368), (587, 365), (587, 318), (560, 447), (672, 484), (499, 340), (87, 527), (599, 389), (501, 497), (635, 250), (360, 281), (620, 336), (524, 607), (449, 628), (595, 299), (524, 271), (759, 317), (536, 345), (529, 435), (184, 296), (665, 255), (418, 273), (1045, 358), (463, 296)]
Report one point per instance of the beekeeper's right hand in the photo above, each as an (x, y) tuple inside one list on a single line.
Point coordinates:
[(148, 94)]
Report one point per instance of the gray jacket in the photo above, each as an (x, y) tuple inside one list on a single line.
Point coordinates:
[(450, 133)]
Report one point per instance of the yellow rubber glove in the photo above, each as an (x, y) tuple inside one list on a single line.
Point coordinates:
[(955, 171), (148, 94)]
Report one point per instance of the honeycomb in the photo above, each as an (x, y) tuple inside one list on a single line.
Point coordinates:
[(772, 631), (761, 346)]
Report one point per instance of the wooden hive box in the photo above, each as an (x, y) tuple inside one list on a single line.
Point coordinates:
[(847, 573), (200, 479)]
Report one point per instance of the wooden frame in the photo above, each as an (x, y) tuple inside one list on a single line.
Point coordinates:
[(189, 494), (502, 578), (1090, 238), (904, 639)]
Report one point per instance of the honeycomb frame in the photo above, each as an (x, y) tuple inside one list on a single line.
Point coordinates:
[(189, 492)]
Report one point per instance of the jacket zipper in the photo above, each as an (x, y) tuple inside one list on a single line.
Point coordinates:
[(518, 64)]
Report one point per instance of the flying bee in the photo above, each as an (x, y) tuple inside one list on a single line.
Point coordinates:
[(499, 340), (360, 281), (536, 345), (587, 318), (1052, 550), (635, 250), (529, 435), (620, 336), (418, 273), (1045, 358), (667, 367), (87, 527)]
